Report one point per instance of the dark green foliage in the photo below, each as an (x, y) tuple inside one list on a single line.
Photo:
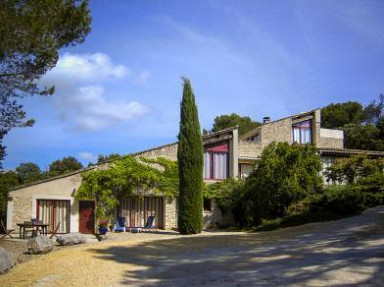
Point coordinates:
[(339, 115), (65, 165), (374, 111), (190, 162), (340, 200), (31, 35), (363, 127), (284, 175), (103, 158), (8, 180), (227, 121), (295, 220), (373, 199), (366, 137), (28, 172), (229, 197)]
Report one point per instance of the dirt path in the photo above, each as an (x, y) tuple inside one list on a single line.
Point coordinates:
[(348, 252)]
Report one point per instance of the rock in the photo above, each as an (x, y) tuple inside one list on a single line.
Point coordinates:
[(7, 260), (71, 239), (39, 244)]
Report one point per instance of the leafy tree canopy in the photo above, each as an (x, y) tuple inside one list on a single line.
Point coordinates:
[(245, 124), (357, 169), (366, 137), (363, 127), (283, 175), (28, 172), (8, 180), (103, 158), (31, 35), (67, 164), (339, 115)]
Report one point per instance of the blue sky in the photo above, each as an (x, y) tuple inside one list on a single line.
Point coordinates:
[(120, 91)]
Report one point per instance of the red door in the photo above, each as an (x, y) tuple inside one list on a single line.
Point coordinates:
[(87, 216)]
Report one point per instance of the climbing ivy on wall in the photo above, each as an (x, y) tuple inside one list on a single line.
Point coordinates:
[(124, 177)]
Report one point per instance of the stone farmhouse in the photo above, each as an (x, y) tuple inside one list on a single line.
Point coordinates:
[(225, 155)]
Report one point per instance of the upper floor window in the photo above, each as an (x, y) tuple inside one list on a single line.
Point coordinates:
[(216, 161), (302, 132), (256, 138)]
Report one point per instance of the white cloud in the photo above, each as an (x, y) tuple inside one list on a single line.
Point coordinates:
[(88, 109), (81, 97), (87, 68), (88, 156)]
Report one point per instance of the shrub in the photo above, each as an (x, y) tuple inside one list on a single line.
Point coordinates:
[(373, 199), (285, 174), (340, 200)]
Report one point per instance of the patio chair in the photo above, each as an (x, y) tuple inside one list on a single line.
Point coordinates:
[(7, 232), (120, 224), (150, 223), (54, 232)]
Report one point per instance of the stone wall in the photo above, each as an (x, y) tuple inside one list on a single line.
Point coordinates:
[(249, 149), (22, 207), (170, 213), (331, 143), (280, 131), (332, 139), (167, 151)]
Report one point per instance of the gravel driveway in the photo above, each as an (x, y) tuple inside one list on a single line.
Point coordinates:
[(347, 252)]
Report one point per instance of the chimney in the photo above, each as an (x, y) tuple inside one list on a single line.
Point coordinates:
[(266, 120)]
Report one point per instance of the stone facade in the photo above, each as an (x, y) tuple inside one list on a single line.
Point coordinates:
[(167, 151), (170, 213)]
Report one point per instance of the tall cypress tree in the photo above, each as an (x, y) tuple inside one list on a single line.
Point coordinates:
[(190, 161)]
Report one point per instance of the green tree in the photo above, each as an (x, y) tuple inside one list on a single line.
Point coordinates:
[(190, 162), (284, 175), (373, 112), (103, 158), (366, 137), (31, 35), (339, 115), (67, 164), (8, 180), (226, 121), (358, 169), (28, 172)]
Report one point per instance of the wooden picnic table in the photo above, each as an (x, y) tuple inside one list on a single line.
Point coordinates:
[(34, 226)]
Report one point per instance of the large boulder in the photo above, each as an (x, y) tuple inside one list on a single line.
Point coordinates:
[(39, 244), (71, 239), (7, 260)]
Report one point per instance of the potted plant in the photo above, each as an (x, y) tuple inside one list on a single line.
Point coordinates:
[(103, 226)]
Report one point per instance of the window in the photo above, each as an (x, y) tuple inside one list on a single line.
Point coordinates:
[(207, 204), (245, 170), (302, 132), (256, 138), (216, 161), (52, 212)]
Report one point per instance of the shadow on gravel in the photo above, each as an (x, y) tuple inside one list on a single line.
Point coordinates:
[(348, 252)]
